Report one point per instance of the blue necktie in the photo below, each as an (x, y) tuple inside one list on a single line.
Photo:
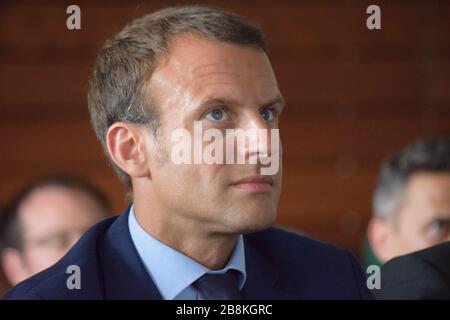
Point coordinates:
[(217, 287)]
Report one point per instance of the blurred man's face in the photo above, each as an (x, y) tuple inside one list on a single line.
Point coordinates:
[(222, 86), (423, 220), (52, 220)]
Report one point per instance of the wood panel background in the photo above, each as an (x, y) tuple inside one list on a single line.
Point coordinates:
[(354, 96)]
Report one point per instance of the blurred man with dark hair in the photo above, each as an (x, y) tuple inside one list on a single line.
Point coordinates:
[(44, 220), (411, 203)]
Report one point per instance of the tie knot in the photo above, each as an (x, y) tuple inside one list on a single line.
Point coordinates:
[(218, 287)]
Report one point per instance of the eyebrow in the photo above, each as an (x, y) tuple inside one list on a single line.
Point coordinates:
[(277, 101)]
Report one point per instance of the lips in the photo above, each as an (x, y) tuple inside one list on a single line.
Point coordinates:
[(254, 184)]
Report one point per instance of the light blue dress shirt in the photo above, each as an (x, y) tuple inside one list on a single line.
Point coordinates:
[(173, 272)]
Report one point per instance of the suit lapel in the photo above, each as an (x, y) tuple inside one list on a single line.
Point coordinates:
[(262, 277), (124, 274)]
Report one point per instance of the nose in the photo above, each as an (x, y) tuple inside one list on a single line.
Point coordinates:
[(259, 137)]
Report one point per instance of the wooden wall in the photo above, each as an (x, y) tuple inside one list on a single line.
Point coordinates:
[(354, 95)]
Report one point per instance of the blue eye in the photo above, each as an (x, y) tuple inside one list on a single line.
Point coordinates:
[(216, 115), (267, 114), (439, 226)]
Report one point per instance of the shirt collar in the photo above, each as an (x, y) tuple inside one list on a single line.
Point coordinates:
[(172, 271)]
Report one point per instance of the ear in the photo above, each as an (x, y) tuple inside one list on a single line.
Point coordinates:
[(380, 236), (14, 266), (126, 147)]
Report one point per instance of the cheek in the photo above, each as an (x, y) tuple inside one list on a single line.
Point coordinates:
[(190, 187), (176, 181), (412, 238)]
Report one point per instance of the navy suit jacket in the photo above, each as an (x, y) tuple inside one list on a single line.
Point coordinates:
[(280, 265)]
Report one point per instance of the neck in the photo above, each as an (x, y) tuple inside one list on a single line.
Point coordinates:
[(185, 235)]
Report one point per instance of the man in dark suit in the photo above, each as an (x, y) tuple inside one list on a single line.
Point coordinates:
[(423, 274), (199, 227)]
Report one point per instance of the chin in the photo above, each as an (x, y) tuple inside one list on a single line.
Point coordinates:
[(249, 222)]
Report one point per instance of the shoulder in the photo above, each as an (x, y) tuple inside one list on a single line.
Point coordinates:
[(52, 282), (312, 264), (432, 261), (437, 256), (428, 270), (282, 244)]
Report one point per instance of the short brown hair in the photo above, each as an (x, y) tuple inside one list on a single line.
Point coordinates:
[(124, 63)]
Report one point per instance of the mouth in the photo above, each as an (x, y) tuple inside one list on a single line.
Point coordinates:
[(254, 184)]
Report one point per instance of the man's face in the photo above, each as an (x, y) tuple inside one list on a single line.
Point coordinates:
[(224, 87), (424, 218), (53, 219)]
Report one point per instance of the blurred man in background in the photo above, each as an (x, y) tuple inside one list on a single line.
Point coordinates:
[(43, 222), (412, 200)]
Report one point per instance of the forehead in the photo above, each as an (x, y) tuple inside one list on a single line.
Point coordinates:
[(428, 194), (196, 66), (54, 205), (429, 186)]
